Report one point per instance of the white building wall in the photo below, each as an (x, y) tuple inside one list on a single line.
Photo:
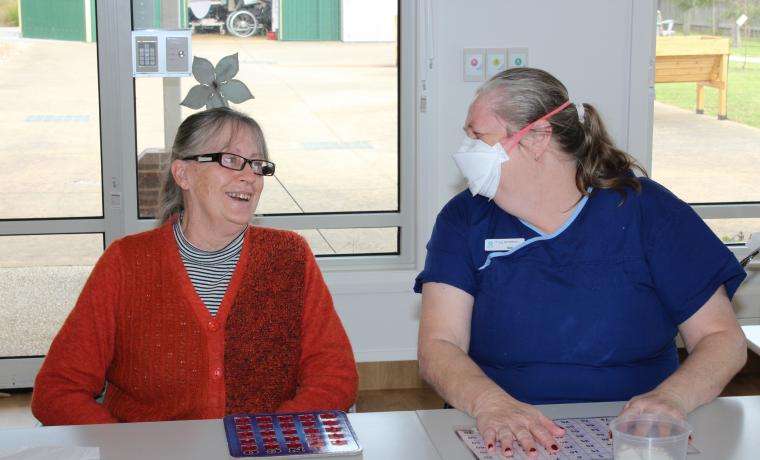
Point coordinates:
[(369, 20)]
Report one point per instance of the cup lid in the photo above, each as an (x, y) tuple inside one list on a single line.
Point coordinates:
[(650, 426)]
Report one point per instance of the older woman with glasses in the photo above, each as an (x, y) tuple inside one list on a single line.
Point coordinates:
[(205, 315)]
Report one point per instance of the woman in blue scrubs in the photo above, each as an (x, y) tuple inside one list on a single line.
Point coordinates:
[(561, 277)]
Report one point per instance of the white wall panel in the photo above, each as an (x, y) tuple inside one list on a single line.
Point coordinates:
[(586, 44)]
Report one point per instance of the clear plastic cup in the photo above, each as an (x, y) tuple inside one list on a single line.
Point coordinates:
[(649, 437)]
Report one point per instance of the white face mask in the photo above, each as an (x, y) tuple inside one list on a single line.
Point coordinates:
[(480, 164)]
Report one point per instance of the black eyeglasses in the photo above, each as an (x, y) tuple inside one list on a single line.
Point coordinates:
[(236, 162)]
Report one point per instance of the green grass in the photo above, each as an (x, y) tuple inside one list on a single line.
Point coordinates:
[(750, 48), (8, 13), (743, 95)]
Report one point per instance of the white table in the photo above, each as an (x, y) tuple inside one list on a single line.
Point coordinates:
[(726, 429), (383, 435), (753, 337)]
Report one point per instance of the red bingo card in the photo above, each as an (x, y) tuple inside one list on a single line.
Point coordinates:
[(295, 434)]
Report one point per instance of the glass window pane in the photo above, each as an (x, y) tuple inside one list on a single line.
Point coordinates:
[(40, 279), (701, 158), (734, 230), (328, 108), (352, 241), (50, 154)]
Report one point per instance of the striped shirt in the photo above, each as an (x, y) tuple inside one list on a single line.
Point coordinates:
[(210, 272)]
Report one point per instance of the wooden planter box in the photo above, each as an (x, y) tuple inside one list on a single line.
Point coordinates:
[(700, 59)]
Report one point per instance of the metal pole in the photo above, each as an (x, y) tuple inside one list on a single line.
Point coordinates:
[(170, 19)]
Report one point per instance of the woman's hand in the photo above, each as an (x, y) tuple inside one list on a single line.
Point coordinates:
[(657, 401), (502, 418)]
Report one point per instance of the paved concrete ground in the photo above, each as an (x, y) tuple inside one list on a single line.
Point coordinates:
[(703, 159), (328, 110), (738, 57)]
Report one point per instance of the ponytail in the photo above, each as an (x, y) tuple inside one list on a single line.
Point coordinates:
[(600, 163)]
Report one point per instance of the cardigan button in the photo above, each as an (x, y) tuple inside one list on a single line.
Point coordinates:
[(217, 373), (213, 325)]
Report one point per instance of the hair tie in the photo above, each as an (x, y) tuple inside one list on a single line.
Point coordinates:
[(581, 111)]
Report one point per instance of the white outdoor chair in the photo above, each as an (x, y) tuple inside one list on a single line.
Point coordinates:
[(665, 27)]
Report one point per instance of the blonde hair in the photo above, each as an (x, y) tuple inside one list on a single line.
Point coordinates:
[(192, 135)]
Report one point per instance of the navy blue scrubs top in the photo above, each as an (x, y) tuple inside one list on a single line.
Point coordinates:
[(590, 312)]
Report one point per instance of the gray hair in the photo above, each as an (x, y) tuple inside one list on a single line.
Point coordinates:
[(522, 95), (192, 135)]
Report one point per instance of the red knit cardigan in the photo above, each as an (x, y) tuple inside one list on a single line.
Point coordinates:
[(276, 343)]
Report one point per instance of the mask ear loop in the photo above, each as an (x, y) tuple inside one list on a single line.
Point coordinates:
[(515, 139)]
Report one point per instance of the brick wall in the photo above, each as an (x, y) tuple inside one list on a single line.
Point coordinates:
[(150, 165)]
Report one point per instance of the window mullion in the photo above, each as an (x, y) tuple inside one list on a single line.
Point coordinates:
[(321, 221), (728, 211), (117, 114), (52, 226)]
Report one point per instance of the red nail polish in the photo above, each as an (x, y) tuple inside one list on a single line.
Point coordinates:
[(554, 447), (508, 449), (490, 446), (532, 449)]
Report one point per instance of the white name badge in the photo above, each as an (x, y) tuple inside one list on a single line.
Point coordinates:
[(503, 244)]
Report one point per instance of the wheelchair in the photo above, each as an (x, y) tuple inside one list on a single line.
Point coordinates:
[(241, 18)]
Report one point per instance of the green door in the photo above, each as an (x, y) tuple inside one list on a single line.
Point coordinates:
[(146, 14), (57, 19), (317, 20)]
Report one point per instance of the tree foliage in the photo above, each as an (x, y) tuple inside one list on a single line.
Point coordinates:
[(687, 5), (735, 8)]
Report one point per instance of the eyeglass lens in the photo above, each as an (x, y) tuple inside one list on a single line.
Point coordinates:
[(237, 163)]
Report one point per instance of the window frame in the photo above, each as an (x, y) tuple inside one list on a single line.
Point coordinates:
[(388, 274), (19, 371), (641, 127), (104, 223), (403, 218)]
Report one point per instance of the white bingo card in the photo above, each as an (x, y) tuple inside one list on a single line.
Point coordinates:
[(585, 439)]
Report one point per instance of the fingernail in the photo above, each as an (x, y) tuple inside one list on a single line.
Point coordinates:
[(554, 447), (508, 449), (490, 446), (532, 449), (609, 433)]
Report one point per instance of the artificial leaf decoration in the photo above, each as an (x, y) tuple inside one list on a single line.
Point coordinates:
[(216, 100), (217, 85), (197, 97), (227, 68), (236, 91), (203, 71)]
